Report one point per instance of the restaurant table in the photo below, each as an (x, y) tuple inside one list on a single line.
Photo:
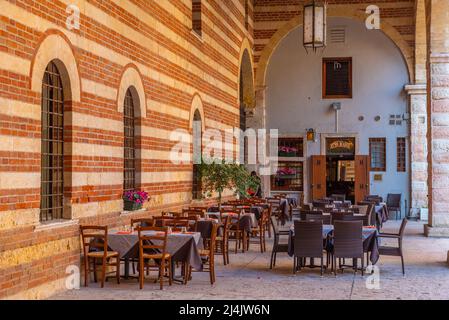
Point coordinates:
[(247, 220), (204, 227), (183, 247), (382, 212), (370, 241)]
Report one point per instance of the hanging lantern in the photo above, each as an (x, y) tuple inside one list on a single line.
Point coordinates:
[(315, 17)]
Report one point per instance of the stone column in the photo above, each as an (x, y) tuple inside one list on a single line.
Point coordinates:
[(257, 120), (418, 144), (438, 117)]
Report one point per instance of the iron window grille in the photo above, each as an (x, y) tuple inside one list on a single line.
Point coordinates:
[(52, 146)]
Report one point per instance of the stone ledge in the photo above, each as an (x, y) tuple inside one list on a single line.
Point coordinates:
[(436, 232)]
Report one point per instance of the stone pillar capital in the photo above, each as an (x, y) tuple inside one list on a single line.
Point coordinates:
[(416, 89)]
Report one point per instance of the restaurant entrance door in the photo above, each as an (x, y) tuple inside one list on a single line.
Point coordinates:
[(340, 167)]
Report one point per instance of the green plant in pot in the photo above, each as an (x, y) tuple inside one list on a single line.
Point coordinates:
[(134, 200), (218, 175)]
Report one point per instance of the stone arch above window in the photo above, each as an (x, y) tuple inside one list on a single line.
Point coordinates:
[(197, 105), (56, 48), (132, 80)]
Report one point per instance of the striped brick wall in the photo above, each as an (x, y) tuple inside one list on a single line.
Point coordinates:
[(148, 41)]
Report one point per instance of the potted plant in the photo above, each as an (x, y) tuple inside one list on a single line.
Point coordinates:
[(134, 200), (218, 175), (286, 173), (285, 151)]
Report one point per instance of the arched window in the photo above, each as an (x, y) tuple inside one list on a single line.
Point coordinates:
[(197, 149), (129, 170), (52, 146), (197, 23)]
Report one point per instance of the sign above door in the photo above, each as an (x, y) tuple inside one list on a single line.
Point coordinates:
[(340, 146)]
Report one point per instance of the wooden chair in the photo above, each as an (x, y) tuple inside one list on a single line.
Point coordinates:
[(348, 243), (142, 222), (208, 255), (235, 232), (394, 251), (277, 246), (193, 212), (259, 233), (95, 247), (176, 224), (222, 241), (152, 247), (308, 244)]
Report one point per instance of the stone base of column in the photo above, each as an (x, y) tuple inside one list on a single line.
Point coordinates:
[(436, 232)]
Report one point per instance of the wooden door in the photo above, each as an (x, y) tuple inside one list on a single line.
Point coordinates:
[(362, 181), (318, 177)]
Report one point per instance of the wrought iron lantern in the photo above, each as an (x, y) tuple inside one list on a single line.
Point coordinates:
[(315, 29)]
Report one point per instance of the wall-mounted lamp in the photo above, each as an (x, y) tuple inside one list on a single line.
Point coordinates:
[(311, 135)]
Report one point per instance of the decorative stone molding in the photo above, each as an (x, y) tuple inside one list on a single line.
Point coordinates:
[(57, 48), (197, 104), (131, 78)]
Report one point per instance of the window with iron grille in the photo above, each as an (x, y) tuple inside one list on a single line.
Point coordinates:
[(196, 17), (197, 147), (377, 150), (401, 148), (52, 146), (129, 178), (246, 14)]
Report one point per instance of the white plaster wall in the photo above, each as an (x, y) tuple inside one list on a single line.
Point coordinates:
[(294, 95)]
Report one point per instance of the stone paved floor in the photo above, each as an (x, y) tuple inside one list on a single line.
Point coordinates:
[(248, 277)]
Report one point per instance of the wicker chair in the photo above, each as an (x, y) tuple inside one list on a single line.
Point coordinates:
[(348, 243), (394, 251), (325, 219), (308, 243), (394, 204), (277, 245)]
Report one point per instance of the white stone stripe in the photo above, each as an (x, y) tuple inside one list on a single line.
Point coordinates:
[(99, 89), (19, 180), (19, 144), (35, 22), (93, 150), (163, 108), (94, 178), (94, 122), (16, 108), (14, 64), (164, 177)]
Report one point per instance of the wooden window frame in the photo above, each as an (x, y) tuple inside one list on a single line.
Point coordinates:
[(52, 146), (129, 150), (324, 83), (401, 154), (376, 140)]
